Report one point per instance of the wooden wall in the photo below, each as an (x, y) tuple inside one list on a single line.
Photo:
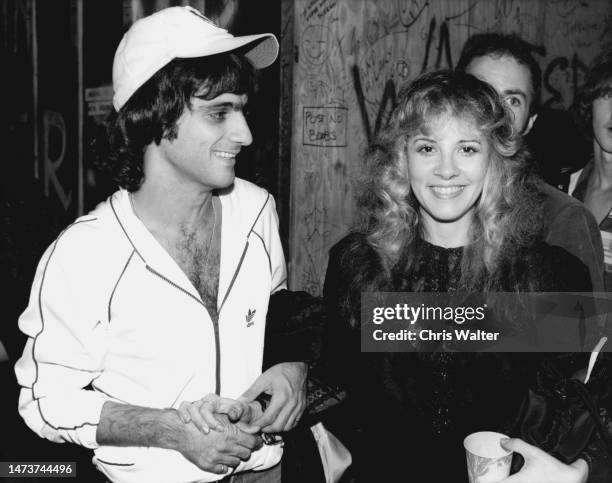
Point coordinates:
[(351, 56)]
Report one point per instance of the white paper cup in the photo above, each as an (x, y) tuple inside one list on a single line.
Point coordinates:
[(487, 461)]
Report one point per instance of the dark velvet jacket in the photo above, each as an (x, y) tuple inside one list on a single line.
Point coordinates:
[(406, 414)]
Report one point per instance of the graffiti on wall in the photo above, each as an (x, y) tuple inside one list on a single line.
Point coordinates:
[(325, 126), (353, 56)]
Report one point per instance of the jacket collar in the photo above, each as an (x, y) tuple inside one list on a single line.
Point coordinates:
[(581, 185), (235, 229)]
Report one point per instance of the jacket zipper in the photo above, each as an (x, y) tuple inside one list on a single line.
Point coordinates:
[(229, 288), (215, 321)]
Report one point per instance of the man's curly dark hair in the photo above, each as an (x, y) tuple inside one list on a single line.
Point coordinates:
[(150, 115)]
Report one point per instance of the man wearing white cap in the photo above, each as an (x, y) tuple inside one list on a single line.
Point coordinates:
[(159, 296)]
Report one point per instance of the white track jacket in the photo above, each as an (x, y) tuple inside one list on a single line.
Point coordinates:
[(112, 317)]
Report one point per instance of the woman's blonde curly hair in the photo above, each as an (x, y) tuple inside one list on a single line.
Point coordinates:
[(505, 214)]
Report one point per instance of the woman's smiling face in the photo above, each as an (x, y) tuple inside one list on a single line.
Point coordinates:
[(447, 166)]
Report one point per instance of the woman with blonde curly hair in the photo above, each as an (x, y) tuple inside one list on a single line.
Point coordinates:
[(477, 195), (447, 205)]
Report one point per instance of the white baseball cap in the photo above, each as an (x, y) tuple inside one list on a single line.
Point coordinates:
[(178, 32)]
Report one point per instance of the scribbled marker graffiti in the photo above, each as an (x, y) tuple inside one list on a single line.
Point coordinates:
[(324, 126)]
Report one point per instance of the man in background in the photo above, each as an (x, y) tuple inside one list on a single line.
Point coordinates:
[(505, 61), (593, 184)]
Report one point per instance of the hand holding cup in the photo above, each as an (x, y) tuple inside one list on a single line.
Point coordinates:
[(487, 460)]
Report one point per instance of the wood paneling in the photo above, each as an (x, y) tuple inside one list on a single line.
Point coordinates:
[(351, 58)]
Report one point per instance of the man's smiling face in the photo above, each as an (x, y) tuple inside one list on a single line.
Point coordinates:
[(210, 134)]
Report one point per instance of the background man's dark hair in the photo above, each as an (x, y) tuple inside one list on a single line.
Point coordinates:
[(152, 112), (499, 45), (598, 83)]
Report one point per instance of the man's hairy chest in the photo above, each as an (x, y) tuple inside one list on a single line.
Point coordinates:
[(197, 253)]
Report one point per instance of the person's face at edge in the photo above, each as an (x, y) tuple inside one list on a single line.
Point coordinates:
[(447, 165), (602, 123), (513, 83), (210, 135)]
